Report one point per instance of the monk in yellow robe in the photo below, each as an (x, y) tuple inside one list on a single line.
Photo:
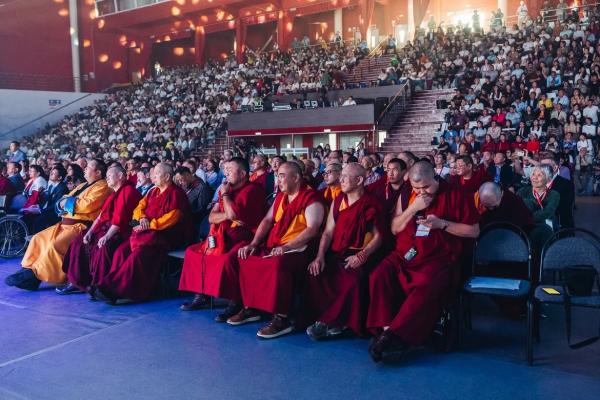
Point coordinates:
[(44, 257)]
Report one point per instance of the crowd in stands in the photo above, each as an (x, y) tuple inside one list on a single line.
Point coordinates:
[(371, 243)]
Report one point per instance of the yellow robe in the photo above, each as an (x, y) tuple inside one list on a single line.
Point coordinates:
[(47, 248)]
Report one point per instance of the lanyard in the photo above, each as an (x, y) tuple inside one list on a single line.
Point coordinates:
[(540, 197)]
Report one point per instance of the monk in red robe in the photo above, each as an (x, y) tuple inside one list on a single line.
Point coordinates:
[(409, 287), (499, 205), (261, 174), (467, 177), (331, 177), (213, 270), (90, 255), (336, 293), (270, 273), (163, 222), (395, 187)]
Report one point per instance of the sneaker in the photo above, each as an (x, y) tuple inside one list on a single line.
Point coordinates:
[(232, 309), (199, 302), (278, 326), (23, 279), (317, 331), (68, 289), (245, 316)]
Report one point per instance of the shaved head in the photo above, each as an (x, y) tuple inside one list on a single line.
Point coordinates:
[(355, 170), (352, 179), (421, 171), (490, 194)]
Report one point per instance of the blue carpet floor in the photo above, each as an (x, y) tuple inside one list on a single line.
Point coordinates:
[(55, 347)]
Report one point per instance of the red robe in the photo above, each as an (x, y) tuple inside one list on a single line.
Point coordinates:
[(339, 296), (408, 296), (472, 185), (135, 270), (268, 283), (388, 198), (217, 274), (6, 187), (86, 264), (511, 209)]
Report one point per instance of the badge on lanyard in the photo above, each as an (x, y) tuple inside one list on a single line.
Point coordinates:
[(422, 231), (410, 254)]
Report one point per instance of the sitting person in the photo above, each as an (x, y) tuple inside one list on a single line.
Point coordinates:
[(198, 193), (261, 174), (542, 202), (336, 294), (497, 205), (269, 274), (234, 218), (56, 189), (7, 188), (144, 183), (331, 178), (13, 170), (466, 177), (409, 287), (44, 256), (89, 256), (162, 222), (34, 190)]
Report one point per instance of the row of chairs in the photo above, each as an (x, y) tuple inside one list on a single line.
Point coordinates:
[(569, 252)]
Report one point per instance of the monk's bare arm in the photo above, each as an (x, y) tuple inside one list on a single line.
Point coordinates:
[(216, 216), (463, 230), (314, 219), (374, 244), (228, 209), (327, 235), (402, 217), (263, 229)]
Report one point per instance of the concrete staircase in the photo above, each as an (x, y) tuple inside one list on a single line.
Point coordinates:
[(415, 128), (368, 69)]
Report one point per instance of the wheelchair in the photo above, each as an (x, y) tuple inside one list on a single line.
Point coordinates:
[(14, 233)]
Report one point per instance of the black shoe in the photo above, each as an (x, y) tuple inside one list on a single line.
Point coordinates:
[(68, 289), (232, 309), (101, 296), (24, 279), (199, 302), (386, 344)]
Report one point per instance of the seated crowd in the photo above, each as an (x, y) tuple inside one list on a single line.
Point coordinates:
[(340, 242)]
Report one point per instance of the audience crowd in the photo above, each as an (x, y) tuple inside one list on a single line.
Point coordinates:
[(372, 244)]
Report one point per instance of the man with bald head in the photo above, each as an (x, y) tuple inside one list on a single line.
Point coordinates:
[(274, 263), (162, 222), (410, 286), (336, 293), (331, 177), (498, 205)]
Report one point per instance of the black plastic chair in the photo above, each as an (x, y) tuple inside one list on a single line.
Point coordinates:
[(498, 244), (566, 248)]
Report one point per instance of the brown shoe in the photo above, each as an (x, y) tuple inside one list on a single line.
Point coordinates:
[(278, 326), (245, 316)]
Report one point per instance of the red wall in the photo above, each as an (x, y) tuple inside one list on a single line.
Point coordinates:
[(257, 35), (34, 39)]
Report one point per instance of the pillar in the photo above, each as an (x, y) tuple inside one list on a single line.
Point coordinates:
[(240, 39), (285, 25), (338, 21), (366, 15), (503, 6), (199, 44), (411, 21), (74, 30)]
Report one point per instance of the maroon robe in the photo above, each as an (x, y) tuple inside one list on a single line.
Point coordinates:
[(217, 275), (6, 187), (408, 296), (269, 284), (472, 185), (135, 270), (512, 209), (86, 264), (388, 198), (339, 296)]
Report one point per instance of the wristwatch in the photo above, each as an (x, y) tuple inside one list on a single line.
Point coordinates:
[(446, 225)]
